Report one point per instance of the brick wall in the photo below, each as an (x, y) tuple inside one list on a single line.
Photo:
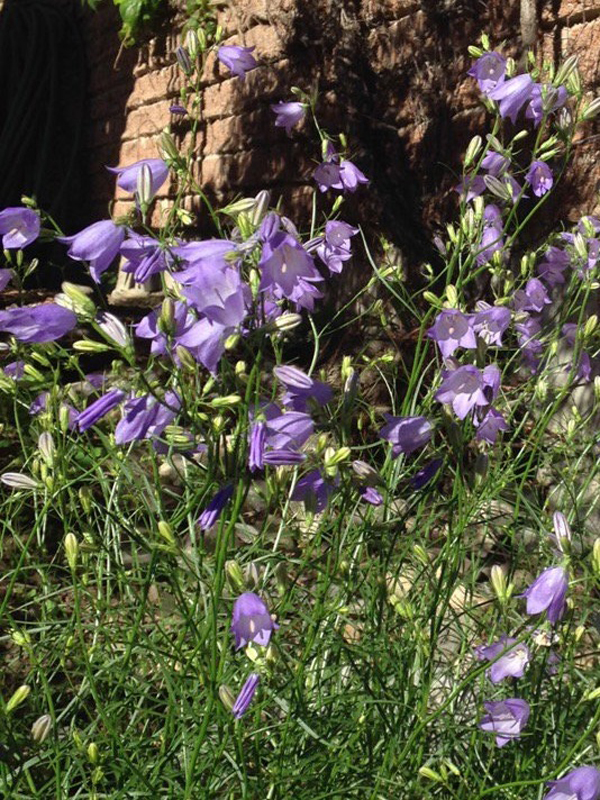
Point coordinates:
[(391, 75)]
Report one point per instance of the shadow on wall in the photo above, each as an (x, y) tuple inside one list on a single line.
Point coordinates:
[(42, 75)]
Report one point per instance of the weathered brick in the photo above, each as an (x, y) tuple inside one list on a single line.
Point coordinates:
[(233, 96), (232, 134), (373, 10), (570, 12), (146, 120), (155, 85), (583, 41)]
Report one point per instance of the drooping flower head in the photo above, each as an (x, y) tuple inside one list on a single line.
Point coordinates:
[(463, 389), (505, 718), (548, 593), (334, 249), (43, 323), (287, 270), (512, 664), (288, 114), (452, 329), (99, 408), (300, 388), (144, 257), (146, 417), (490, 425), (343, 176), (545, 99), (19, 227), (238, 60), (406, 433), (582, 783), (489, 71), (512, 95), (251, 621), (98, 244), (490, 322), (213, 510), (540, 178), (314, 490)]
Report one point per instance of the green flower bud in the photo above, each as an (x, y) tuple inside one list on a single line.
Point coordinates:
[(227, 696), (40, 730), (18, 697), (71, 550)]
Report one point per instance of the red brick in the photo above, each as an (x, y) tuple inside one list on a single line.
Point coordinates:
[(570, 12), (155, 85), (233, 96)]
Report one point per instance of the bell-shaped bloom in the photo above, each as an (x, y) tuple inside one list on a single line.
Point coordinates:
[(582, 783), (238, 60), (14, 370), (144, 257), (544, 100), (490, 322), (99, 408), (426, 474), (463, 389), (552, 268), (490, 426), (287, 270), (505, 718), (540, 178), (204, 259), (213, 510), (97, 244), (533, 298), (19, 227), (344, 177), (288, 115), (146, 417), (314, 490), (511, 664), (43, 323), (334, 248), (512, 95), (246, 695), (489, 71), (492, 239), (149, 328), (406, 433), (370, 495), (301, 389), (251, 621), (548, 593), (452, 329), (129, 176), (583, 366)]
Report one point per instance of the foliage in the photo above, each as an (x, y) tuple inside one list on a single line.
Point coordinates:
[(428, 567)]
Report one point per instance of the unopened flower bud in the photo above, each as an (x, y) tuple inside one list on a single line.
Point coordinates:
[(47, 448), (232, 341), (591, 110), (596, 558), (88, 346), (287, 321), (18, 697), (64, 418), (227, 696), (421, 554), (226, 402), (186, 359), (183, 59), (41, 728), (251, 576), (262, 202), (366, 473), (541, 390), (92, 753), (192, 44), (81, 302), (71, 550), (21, 638), (240, 369), (168, 147), (497, 187), (166, 532), (144, 186), (590, 326), (431, 774), (499, 584), (235, 576), (166, 317), (580, 246), (18, 480), (473, 150), (334, 457), (452, 296), (112, 328), (32, 372)]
